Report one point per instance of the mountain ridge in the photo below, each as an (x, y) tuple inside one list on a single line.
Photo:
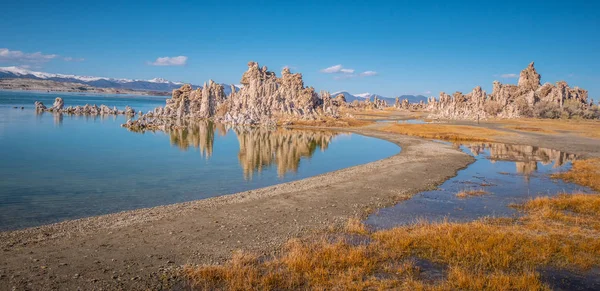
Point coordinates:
[(156, 84)]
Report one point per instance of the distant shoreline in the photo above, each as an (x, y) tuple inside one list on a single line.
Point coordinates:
[(47, 86), (83, 93)]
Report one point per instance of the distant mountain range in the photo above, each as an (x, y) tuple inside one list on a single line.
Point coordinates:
[(160, 84), (156, 84), (369, 96)]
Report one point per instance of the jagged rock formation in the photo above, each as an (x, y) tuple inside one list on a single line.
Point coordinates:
[(527, 99), (376, 104), (406, 105), (58, 107), (264, 99), (58, 104)]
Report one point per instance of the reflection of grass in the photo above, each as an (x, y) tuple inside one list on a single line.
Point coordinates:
[(583, 172), (493, 254), (446, 131), (587, 128), (470, 193)]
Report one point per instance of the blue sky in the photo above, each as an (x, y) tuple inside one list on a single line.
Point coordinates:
[(408, 47)]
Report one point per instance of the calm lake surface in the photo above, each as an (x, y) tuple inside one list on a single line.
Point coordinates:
[(508, 173), (58, 167)]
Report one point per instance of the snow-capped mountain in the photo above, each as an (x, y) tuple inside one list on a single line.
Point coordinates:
[(163, 81), (156, 84)]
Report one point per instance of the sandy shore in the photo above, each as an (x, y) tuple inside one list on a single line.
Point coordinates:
[(139, 249)]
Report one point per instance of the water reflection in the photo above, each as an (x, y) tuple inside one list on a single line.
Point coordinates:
[(259, 147), (525, 157), (58, 119), (200, 135), (508, 173)]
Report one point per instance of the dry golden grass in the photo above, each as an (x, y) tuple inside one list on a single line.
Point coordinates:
[(532, 129), (586, 128), (355, 226), (446, 131), (583, 172), (470, 193), (489, 254)]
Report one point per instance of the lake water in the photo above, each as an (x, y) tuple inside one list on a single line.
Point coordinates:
[(508, 173), (58, 167)]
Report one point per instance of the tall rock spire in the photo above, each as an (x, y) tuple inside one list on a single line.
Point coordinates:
[(529, 78)]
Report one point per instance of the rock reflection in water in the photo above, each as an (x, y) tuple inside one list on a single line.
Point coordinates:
[(200, 135), (259, 147), (525, 157), (508, 173)]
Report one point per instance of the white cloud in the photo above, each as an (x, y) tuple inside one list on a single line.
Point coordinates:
[(337, 69), (170, 61), (368, 73), (332, 69), (70, 59), (509, 76), (7, 55), (427, 92), (346, 73)]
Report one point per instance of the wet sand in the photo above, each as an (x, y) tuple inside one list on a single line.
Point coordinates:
[(141, 249)]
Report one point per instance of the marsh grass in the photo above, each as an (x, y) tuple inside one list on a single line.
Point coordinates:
[(585, 128), (489, 254), (583, 172), (532, 129), (471, 193), (446, 132)]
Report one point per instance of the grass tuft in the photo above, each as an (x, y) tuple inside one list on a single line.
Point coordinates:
[(355, 226), (471, 193)]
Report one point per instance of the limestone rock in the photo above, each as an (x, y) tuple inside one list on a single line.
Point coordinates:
[(58, 107), (58, 104), (527, 99), (264, 99), (39, 106), (529, 78)]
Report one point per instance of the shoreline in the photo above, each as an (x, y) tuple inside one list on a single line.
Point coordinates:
[(208, 230), (86, 93)]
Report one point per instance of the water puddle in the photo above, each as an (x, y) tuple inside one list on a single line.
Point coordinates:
[(502, 175)]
